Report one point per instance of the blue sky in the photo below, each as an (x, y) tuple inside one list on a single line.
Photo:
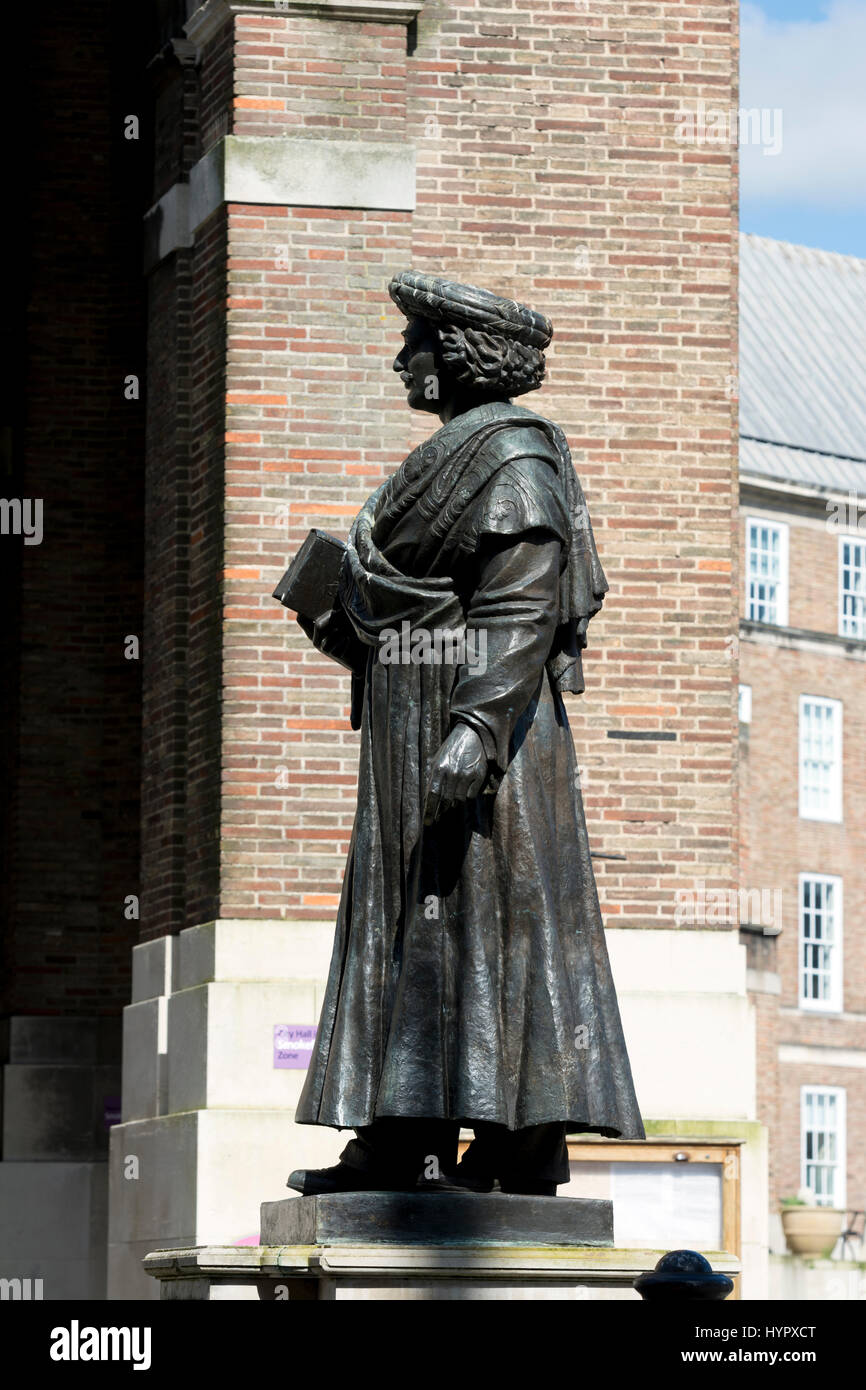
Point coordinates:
[(806, 59)]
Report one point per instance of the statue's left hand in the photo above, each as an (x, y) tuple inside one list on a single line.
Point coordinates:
[(459, 772)]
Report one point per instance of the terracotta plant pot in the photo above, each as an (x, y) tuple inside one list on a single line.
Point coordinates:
[(812, 1230)]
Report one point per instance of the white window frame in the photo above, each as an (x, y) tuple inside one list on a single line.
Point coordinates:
[(781, 599), (744, 704), (841, 1161), (833, 1004), (833, 812), (855, 628)]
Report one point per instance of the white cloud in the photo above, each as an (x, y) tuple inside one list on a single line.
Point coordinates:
[(815, 72)]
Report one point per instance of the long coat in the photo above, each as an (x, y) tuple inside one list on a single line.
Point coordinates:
[(470, 977)]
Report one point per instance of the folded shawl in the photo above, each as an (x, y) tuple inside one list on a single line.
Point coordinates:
[(437, 489)]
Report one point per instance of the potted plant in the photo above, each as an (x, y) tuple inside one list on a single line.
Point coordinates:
[(810, 1229)]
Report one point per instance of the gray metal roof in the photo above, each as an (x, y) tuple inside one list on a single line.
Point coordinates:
[(826, 471), (802, 364)]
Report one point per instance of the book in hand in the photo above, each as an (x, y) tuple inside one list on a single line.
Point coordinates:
[(310, 584)]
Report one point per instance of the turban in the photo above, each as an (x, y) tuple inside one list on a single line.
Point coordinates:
[(429, 297)]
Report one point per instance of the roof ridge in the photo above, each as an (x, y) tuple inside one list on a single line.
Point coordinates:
[(812, 253), (804, 448)]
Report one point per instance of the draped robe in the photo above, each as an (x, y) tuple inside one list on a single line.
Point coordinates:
[(470, 977)]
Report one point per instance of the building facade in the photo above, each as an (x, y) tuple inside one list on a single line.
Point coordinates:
[(803, 711)]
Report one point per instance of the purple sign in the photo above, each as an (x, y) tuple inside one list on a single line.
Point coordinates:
[(111, 1111), (293, 1044)]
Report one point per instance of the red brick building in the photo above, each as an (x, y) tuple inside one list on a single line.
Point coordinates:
[(803, 706)]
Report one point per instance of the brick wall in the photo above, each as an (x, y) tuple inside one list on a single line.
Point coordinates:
[(777, 845), (71, 830), (318, 77), (549, 169)]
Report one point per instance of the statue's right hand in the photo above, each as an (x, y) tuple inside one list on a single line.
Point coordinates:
[(458, 773)]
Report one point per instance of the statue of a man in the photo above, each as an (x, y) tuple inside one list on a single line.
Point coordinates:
[(470, 983)]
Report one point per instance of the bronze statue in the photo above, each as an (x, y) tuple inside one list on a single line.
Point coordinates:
[(470, 982)]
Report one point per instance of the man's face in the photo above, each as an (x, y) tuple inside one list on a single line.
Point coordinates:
[(418, 365)]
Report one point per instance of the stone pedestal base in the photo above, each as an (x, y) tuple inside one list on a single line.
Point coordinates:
[(437, 1218), (411, 1273), (417, 1247)]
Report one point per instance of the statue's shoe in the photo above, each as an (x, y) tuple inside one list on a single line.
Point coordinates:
[(313, 1182)]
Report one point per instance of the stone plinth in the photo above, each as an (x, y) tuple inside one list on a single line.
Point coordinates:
[(409, 1273), (417, 1247), (434, 1218)]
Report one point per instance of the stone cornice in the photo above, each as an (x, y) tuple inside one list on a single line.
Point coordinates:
[(208, 19), (802, 639), (180, 51), (283, 171), (289, 171), (821, 1054), (790, 496)]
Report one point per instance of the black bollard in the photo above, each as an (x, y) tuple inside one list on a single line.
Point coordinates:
[(680, 1275)]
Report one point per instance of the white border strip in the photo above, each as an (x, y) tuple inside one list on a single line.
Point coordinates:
[(281, 171), (805, 1054)]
